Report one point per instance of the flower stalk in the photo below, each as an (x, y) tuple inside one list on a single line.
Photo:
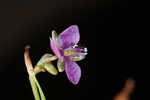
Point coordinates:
[(39, 69), (36, 88)]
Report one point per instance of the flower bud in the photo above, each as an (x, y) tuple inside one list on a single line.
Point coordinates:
[(49, 67), (55, 38)]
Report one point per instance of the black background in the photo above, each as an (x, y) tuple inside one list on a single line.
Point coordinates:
[(105, 29)]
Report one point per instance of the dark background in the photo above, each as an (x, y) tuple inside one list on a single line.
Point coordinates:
[(106, 30)]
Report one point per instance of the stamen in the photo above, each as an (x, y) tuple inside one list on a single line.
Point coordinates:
[(74, 46), (85, 50)]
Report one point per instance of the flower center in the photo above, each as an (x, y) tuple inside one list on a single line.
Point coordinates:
[(69, 52)]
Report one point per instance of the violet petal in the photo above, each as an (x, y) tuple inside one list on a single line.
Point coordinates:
[(73, 71), (69, 36)]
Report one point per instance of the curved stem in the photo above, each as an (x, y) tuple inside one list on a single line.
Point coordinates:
[(28, 61), (36, 88), (38, 69), (51, 58), (33, 81)]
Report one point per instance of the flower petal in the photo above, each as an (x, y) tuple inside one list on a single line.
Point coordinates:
[(77, 57), (73, 71), (55, 49), (69, 36)]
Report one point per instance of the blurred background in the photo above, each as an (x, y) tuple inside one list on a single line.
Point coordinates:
[(105, 29)]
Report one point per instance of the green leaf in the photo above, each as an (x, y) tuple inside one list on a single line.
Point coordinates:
[(77, 58), (45, 58), (34, 88), (39, 88), (49, 67), (60, 65)]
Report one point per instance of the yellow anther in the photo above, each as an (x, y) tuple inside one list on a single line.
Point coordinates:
[(69, 52)]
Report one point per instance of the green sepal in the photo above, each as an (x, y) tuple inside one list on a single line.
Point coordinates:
[(55, 38), (44, 59), (60, 65)]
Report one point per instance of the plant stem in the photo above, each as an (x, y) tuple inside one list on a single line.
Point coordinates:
[(38, 69), (52, 58), (40, 89), (33, 81), (28, 61), (34, 88)]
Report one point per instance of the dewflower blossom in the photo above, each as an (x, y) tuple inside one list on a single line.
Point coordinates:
[(65, 47), (67, 52)]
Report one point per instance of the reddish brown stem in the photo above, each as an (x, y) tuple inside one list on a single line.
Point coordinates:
[(28, 60), (126, 91)]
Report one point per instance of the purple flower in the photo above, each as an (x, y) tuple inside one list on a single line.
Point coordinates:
[(66, 49)]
